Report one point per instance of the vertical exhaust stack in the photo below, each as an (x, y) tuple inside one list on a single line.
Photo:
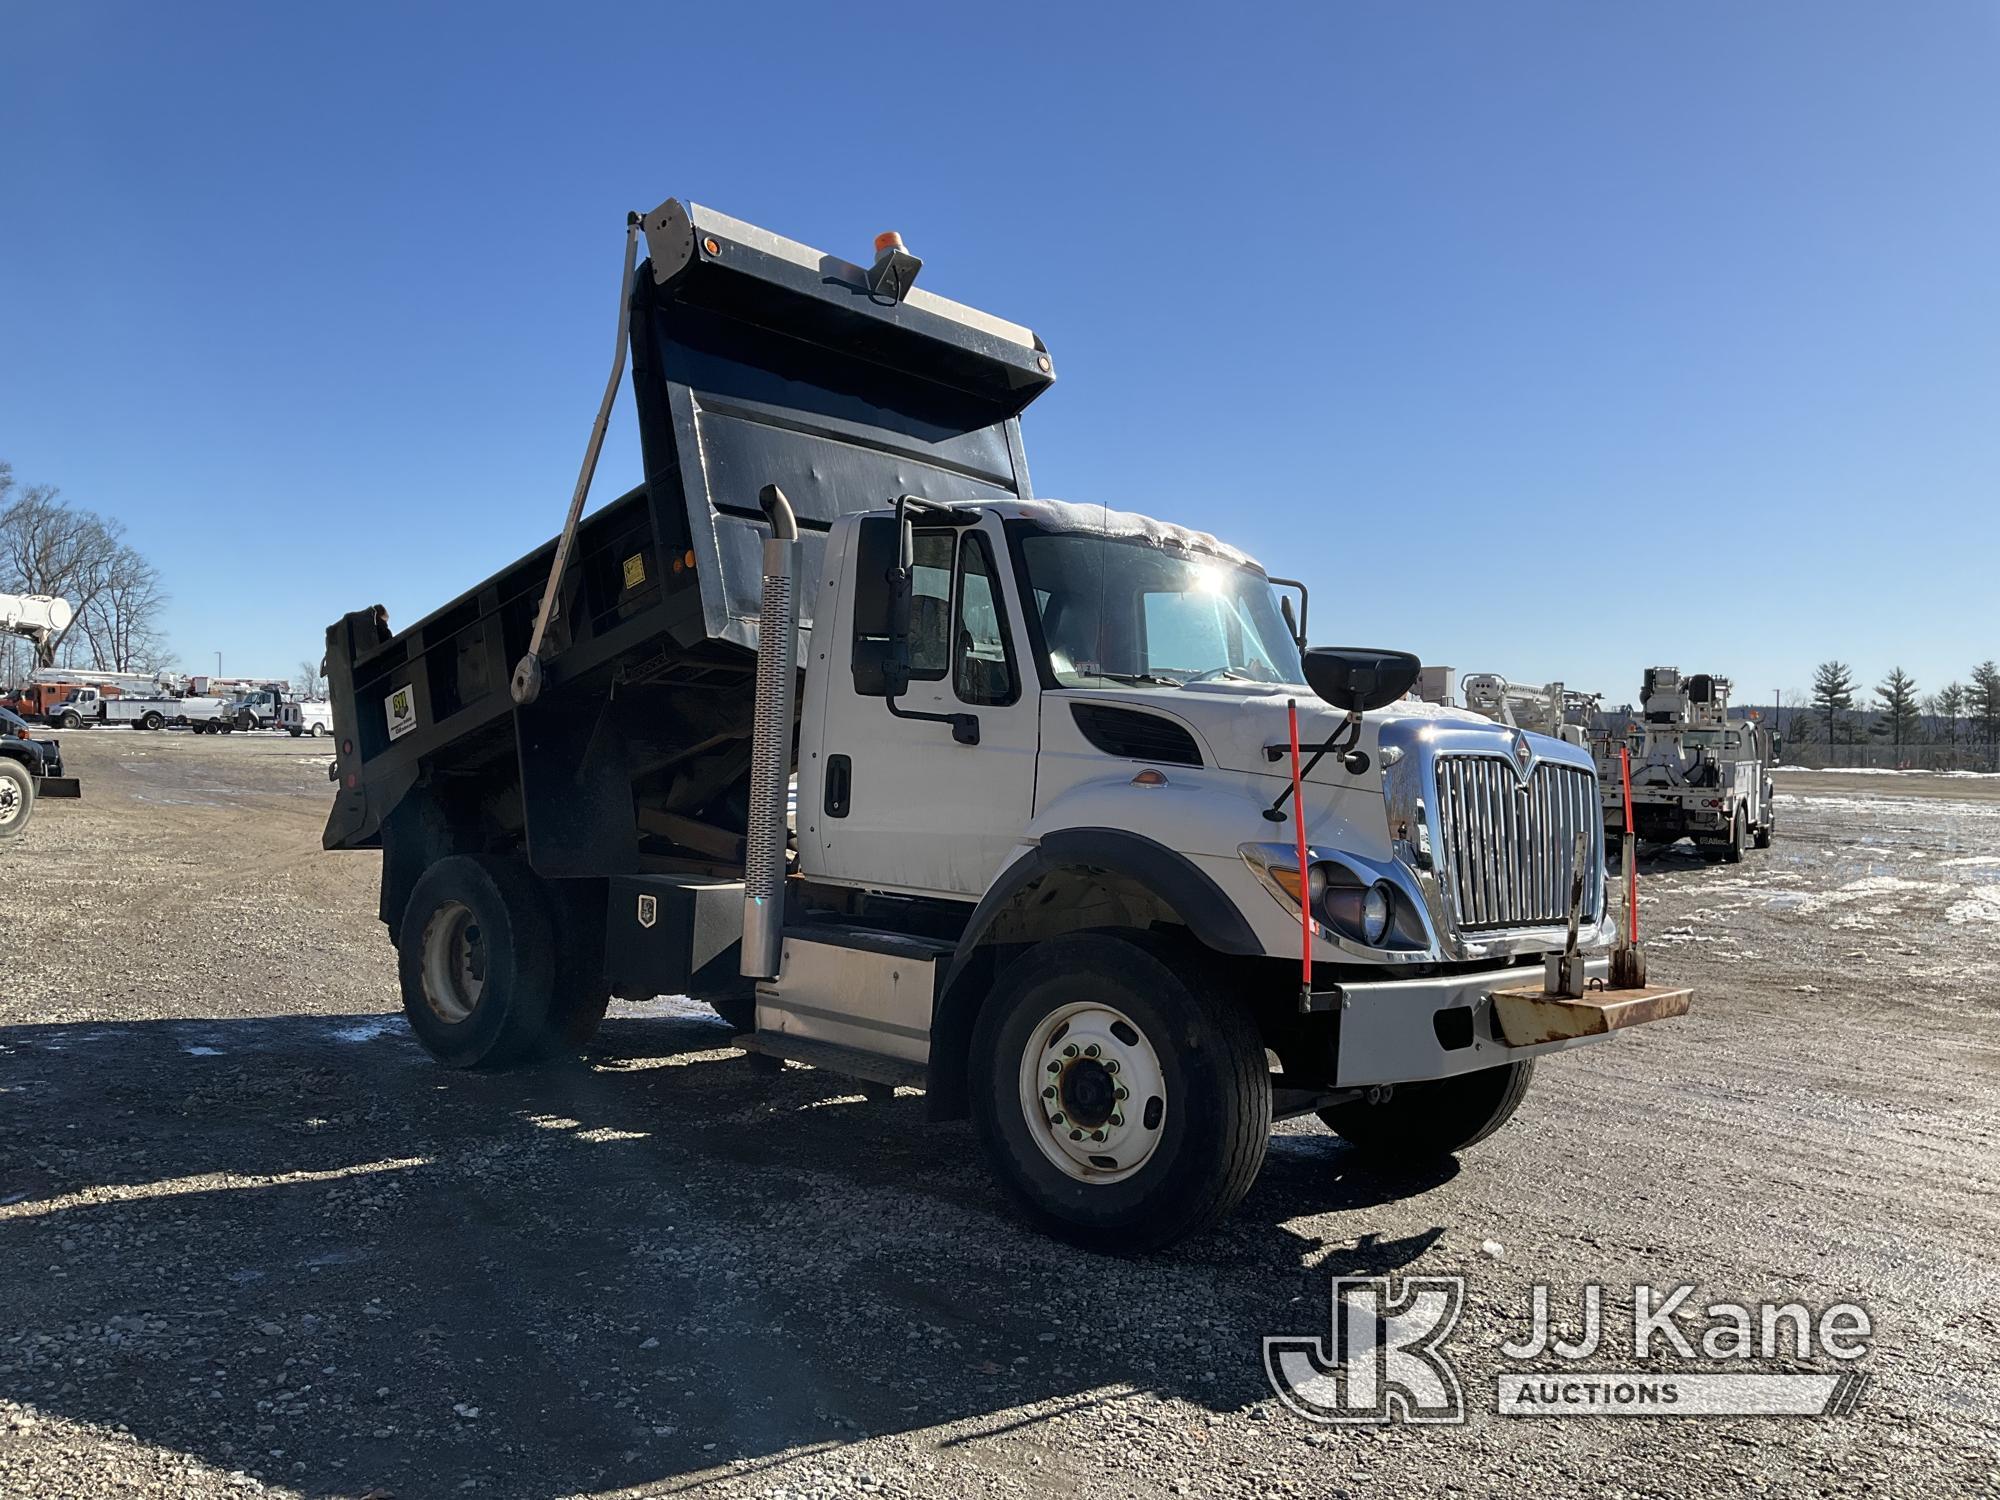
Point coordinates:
[(771, 745)]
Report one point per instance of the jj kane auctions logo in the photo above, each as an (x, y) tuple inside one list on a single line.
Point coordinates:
[(1384, 1357)]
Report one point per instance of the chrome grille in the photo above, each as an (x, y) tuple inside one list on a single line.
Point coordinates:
[(1506, 846)]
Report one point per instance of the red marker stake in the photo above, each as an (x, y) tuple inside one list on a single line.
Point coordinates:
[(1305, 885), (1631, 863)]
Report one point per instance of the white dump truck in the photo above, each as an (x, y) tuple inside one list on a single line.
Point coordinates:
[(1698, 772), (1090, 845)]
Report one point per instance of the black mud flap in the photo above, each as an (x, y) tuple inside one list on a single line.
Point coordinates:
[(58, 786)]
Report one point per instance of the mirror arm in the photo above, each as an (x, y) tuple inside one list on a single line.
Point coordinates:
[(1298, 626), (1355, 761), (964, 727)]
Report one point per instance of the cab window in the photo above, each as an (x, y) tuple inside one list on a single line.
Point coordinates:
[(984, 662), (930, 604)]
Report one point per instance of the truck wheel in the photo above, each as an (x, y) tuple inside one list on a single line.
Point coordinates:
[(296, 733), (71, 721), (17, 797), (1123, 1101), (1761, 836), (1419, 1123), (1732, 850), (476, 962), (318, 731), (154, 722)]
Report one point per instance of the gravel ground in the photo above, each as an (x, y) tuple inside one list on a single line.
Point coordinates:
[(256, 1242)]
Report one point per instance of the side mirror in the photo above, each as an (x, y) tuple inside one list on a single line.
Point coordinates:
[(1356, 679)]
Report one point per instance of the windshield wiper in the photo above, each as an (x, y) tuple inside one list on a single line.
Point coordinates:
[(1142, 678)]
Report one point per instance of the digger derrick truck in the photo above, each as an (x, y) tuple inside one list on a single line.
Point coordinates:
[(1697, 773), (1046, 859)]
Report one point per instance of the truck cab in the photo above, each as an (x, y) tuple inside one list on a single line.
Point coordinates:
[(1090, 843)]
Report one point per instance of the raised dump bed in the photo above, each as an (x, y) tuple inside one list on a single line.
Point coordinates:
[(755, 360)]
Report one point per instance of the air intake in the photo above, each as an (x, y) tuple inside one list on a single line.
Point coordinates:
[(1134, 735)]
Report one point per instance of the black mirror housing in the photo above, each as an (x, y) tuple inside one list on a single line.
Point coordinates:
[(1356, 679)]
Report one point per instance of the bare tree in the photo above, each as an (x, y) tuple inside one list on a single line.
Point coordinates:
[(50, 547), (310, 682)]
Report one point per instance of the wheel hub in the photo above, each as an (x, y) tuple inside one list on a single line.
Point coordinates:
[(1093, 1092), (454, 962)]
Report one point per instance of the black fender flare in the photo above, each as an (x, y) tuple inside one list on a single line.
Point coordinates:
[(1169, 876)]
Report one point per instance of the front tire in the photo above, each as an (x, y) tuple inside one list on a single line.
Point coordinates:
[(475, 958), (1420, 1124), (1123, 1100), (17, 798)]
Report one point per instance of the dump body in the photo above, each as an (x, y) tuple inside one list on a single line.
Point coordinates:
[(755, 360)]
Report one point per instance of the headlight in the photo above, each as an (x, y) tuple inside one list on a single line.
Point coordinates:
[(1375, 914)]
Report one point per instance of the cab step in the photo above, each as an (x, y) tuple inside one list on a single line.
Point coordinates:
[(852, 1062)]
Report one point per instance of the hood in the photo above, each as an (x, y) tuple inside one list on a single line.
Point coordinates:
[(1235, 721)]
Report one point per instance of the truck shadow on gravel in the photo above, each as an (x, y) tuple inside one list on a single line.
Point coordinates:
[(295, 1247)]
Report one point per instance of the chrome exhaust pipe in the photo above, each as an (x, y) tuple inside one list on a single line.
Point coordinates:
[(771, 745)]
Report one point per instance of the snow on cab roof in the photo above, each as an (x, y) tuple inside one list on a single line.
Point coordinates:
[(1101, 520)]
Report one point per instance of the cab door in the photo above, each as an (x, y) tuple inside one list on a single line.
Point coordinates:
[(903, 804)]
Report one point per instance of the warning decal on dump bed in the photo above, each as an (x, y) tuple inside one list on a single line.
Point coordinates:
[(401, 707)]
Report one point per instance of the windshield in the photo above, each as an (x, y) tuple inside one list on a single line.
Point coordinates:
[(1125, 610)]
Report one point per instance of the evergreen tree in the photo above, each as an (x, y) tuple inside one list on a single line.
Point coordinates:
[(1833, 695), (1950, 703), (1896, 700), (1982, 704)]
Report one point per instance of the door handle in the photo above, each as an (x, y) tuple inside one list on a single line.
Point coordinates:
[(839, 786)]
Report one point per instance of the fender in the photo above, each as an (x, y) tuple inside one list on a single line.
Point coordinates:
[(1168, 876)]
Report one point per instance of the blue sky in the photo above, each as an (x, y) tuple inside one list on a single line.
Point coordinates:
[(1448, 308)]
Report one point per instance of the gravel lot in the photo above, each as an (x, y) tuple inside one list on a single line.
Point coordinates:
[(255, 1241)]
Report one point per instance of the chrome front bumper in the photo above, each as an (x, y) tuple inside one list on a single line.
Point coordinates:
[(1411, 1030)]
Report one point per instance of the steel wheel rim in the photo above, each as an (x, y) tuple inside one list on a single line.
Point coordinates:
[(1093, 1093), (454, 962), (11, 801)]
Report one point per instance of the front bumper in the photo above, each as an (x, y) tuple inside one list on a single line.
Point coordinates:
[(1413, 1030)]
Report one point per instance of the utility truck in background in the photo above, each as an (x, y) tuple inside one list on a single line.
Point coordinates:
[(302, 716), (1697, 772), (93, 706), (1090, 845), (1551, 709)]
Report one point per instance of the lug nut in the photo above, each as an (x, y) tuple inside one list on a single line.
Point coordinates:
[(1070, 1050), (1123, 1092), (1049, 1092), (1055, 1067), (1076, 1135), (1111, 1066), (1056, 1118), (1117, 1119), (1092, 1050), (1097, 1135)]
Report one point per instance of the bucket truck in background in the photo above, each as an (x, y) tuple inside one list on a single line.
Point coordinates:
[(1551, 709), (1697, 772)]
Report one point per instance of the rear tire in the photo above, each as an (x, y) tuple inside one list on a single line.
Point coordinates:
[(154, 722), (1176, 1150), (1761, 838), (476, 961), (1420, 1124), (17, 797), (318, 731), (1732, 851)]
